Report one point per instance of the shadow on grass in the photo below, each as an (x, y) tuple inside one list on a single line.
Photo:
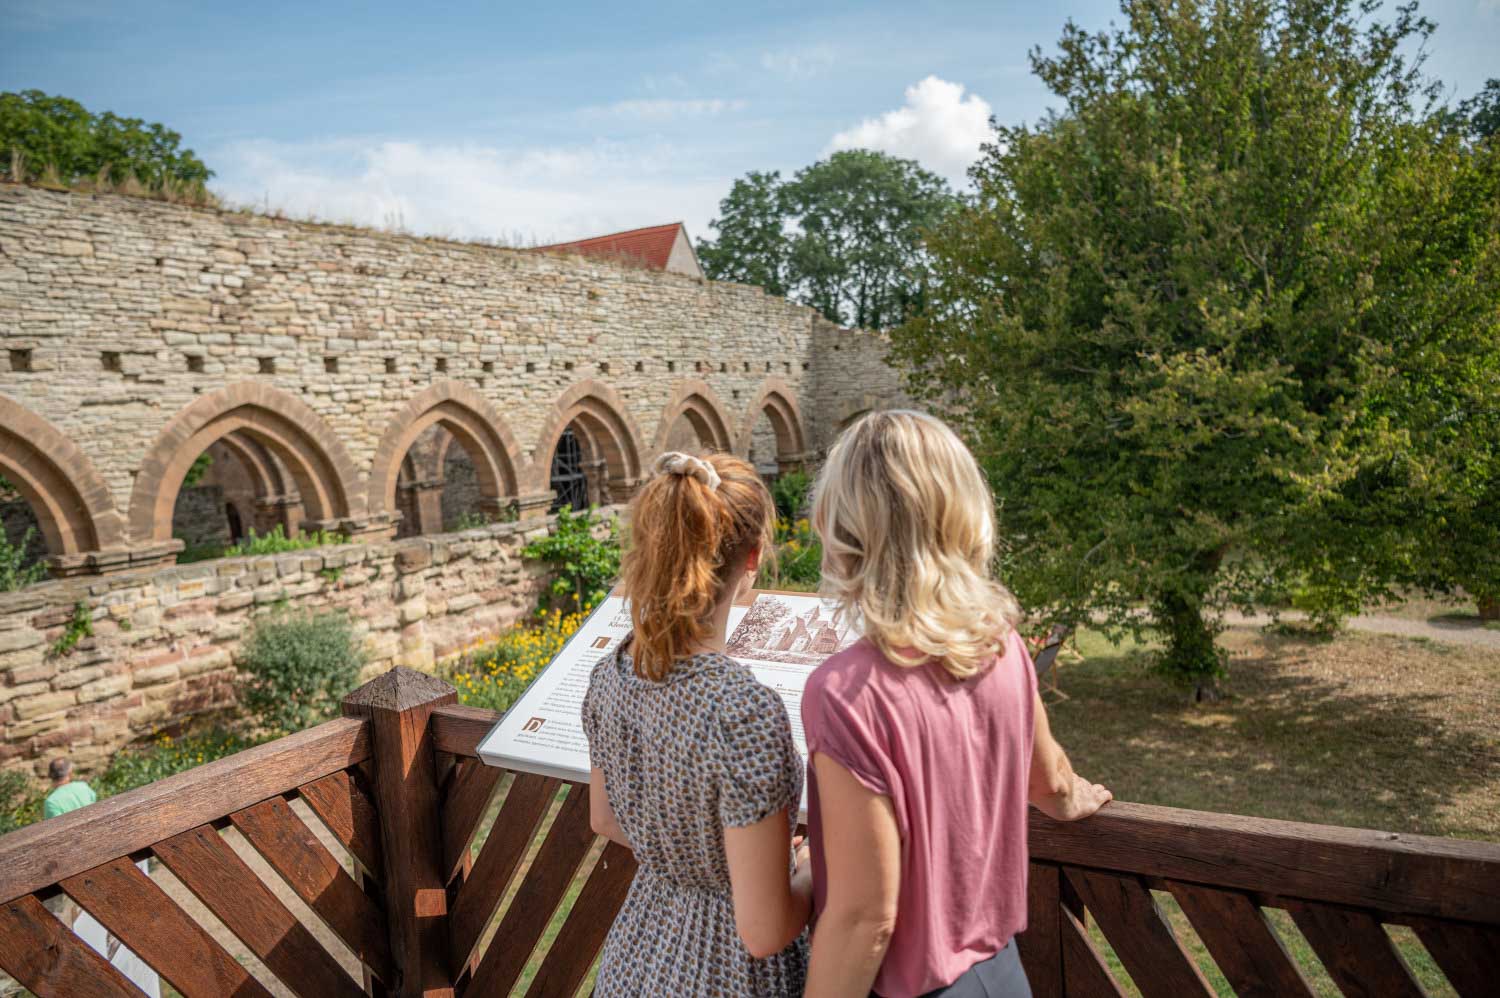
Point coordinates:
[(1302, 736)]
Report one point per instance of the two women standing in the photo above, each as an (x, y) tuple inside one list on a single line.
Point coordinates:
[(926, 740)]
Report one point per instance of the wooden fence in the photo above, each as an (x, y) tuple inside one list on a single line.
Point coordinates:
[(419, 910)]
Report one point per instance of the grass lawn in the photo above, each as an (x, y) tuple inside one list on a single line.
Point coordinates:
[(1364, 730)]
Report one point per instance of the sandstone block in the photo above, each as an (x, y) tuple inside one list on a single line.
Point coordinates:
[(19, 638), (156, 674), (42, 704), (412, 611), (103, 689)]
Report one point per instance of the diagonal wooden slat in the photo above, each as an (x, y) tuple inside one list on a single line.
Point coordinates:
[(1469, 955), (50, 961), (1041, 943), (220, 879), (319, 880), (141, 915), (1085, 974), (467, 797), (1242, 942), (1356, 952), (582, 935), (344, 805), (566, 844), (479, 895), (1139, 933)]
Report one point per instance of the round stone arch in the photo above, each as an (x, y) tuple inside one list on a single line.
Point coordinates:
[(600, 412), (286, 427), (703, 409), (71, 503), (777, 400), (471, 420)]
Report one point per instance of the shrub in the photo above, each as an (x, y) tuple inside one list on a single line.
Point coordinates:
[(20, 800), (798, 559), (18, 567), (587, 566), (138, 765), (299, 666), (494, 675), (277, 542), (790, 493)]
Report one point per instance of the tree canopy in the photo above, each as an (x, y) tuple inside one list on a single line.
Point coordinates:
[(1219, 325), (47, 138), (843, 235)]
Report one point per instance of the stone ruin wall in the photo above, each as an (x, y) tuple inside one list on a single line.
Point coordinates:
[(133, 331)]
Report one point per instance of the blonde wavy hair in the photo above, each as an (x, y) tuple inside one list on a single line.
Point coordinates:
[(693, 524), (908, 530)]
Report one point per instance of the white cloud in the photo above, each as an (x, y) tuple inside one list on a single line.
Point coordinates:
[(938, 127), (664, 109), (530, 195), (798, 63)]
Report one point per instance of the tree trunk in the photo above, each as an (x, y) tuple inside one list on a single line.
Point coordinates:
[(1191, 657), (1489, 607)]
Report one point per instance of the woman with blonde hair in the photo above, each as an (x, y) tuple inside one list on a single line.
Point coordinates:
[(694, 767), (926, 737)]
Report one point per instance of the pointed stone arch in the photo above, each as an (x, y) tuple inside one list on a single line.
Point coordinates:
[(600, 413), (471, 420), (696, 401), (73, 507), (313, 457), (777, 400)]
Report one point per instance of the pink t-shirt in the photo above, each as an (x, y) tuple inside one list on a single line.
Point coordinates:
[(954, 758)]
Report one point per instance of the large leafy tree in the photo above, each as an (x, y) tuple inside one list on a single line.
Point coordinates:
[(1196, 323), (843, 235), (1480, 114), (55, 138)]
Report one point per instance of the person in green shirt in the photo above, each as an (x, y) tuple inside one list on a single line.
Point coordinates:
[(67, 793)]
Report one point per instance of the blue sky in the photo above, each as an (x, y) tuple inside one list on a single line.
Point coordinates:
[(544, 121)]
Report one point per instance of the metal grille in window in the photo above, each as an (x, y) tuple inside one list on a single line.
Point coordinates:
[(570, 485)]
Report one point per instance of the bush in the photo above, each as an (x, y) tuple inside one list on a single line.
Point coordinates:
[(138, 765), (587, 566), (277, 542), (797, 562), (495, 675), (20, 800), (300, 665), (790, 493), (18, 567)]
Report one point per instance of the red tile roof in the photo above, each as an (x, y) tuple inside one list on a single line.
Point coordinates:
[(650, 246)]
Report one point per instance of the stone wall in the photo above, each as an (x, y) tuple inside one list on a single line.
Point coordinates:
[(135, 331), (164, 642)]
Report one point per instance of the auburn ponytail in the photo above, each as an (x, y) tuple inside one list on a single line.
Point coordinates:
[(693, 520)]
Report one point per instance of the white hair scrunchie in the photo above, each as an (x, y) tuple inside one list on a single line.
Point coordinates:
[(675, 462)]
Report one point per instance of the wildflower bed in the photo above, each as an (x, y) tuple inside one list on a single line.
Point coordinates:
[(495, 673)]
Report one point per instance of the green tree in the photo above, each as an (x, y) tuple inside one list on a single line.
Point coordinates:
[(844, 235), (44, 137), (1480, 114), (1192, 322)]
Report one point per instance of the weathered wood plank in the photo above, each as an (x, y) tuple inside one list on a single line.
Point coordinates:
[(1140, 934), (1085, 974), (479, 895), (206, 865), (567, 843), (49, 960), (149, 923), (1356, 952), (1442, 878), (319, 879), (1041, 943), (1242, 942), (343, 804), (582, 935), (399, 706), (44, 853), (459, 729), (464, 803), (1469, 955)]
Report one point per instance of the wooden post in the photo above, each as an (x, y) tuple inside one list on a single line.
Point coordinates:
[(398, 705)]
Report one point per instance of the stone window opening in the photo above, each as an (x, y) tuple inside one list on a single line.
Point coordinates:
[(736, 393), (110, 361), (330, 365), (698, 366), (567, 365), (723, 367), (604, 367), (805, 365), (569, 482), (442, 365), (195, 363), (788, 365), (768, 367), (390, 365), (531, 367), (671, 366), (20, 361), (488, 367), (747, 367), (640, 366), (267, 365)]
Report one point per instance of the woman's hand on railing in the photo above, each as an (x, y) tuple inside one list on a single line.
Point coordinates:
[(1079, 800)]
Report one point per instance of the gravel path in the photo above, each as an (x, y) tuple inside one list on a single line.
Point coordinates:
[(1454, 630)]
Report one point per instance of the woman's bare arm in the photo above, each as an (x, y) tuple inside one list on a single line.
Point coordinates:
[(770, 908), (1053, 787), (601, 816), (862, 850)]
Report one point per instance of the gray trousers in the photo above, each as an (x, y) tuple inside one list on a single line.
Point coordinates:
[(1001, 976)]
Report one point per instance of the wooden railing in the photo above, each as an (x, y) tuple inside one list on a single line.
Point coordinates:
[(457, 878)]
